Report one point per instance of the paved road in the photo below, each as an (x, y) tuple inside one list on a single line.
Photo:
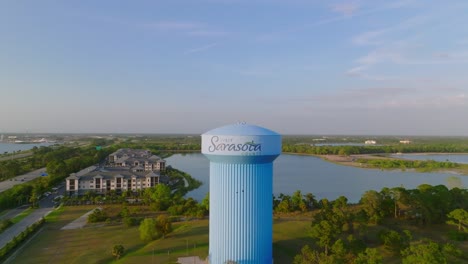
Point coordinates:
[(16, 156), (46, 205), (13, 212), (5, 185), (17, 228)]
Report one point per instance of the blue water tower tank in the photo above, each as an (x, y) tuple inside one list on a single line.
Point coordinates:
[(241, 190)]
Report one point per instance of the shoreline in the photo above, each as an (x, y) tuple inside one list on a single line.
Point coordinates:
[(351, 161)]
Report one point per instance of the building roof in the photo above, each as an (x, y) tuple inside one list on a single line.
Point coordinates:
[(108, 173)]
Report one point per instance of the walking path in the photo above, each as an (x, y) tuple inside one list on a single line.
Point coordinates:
[(80, 222)]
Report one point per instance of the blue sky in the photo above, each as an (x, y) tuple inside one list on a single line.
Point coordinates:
[(295, 66)]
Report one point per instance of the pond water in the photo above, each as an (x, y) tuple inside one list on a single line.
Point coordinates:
[(312, 174)]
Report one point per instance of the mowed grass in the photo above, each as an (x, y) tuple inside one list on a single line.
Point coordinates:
[(93, 244), (22, 215), (289, 236)]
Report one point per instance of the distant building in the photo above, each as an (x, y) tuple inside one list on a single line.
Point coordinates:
[(370, 142), (125, 170), (405, 141)]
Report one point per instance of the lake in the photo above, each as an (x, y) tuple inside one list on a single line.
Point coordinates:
[(10, 147), (312, 174), (458, 158)]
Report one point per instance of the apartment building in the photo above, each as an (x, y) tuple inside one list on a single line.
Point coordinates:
[(125, 170)]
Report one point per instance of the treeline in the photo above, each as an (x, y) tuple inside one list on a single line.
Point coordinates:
[(180, 182), (160, 198), (162, 147), (353, 150), (374, 228), (59, 162), (421, 165)]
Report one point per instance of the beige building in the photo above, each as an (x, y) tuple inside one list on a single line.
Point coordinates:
[(125, 170)]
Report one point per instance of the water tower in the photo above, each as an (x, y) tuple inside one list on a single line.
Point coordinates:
[(241, 190)]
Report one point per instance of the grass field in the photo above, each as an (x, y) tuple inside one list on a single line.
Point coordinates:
[(93, 243)]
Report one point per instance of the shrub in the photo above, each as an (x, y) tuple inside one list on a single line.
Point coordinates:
[(96, 216)]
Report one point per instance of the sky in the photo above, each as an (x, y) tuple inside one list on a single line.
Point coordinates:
[(369, 67)]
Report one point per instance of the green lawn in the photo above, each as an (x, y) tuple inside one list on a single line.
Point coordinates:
[(93, 244), (22, 215)]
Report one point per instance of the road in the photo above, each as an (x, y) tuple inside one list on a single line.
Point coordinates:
[(17, 156), (45, 206), (5, 185), (17, 228), (13, 212)]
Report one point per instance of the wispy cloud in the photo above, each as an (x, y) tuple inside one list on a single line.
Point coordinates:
[(347, 8), (188, 28), (360, 71), (201, 49), (387, 98), (355, 9), (207, 33), (173, 25)]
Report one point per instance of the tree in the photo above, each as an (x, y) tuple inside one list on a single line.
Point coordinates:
[(205, 204), (339, 252), (117, 251), (163, 225), (427, 253), (161, 197), (395, 241), (285, 205), (458, 217), (297, 203), (324, 233), (310, 200), (309, 256), (34, 199), (148, 230), (370, 256), (372, 202)]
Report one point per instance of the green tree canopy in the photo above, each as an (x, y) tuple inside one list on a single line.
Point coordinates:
[(117, 251), (427, 253), (148, 230), (163, 225), (458, 217)]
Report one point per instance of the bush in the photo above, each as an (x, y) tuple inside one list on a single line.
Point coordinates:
[(96, 216), (131, 221), (118, 251), (5, 224)]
